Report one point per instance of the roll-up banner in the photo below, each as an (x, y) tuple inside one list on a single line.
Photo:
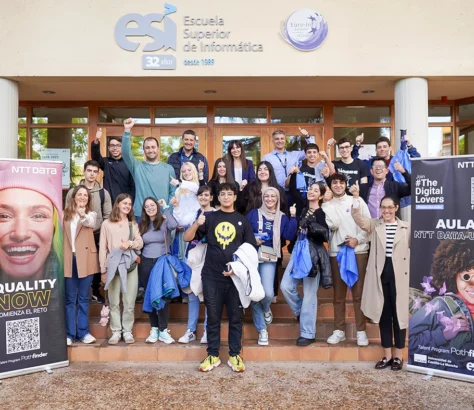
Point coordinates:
[(441, 327), (32, 329)]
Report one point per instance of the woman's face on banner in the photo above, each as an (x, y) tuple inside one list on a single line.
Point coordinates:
[(465, 284), (26, 232)]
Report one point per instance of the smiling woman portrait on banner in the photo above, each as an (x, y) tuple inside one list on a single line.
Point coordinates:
[(31, 237)]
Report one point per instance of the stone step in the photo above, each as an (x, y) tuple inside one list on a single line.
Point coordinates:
[(279, 329), (277, 350)]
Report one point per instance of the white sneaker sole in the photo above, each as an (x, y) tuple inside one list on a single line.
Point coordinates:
[(335, 342), (129, 342), (113, 342), (365, 343), (211, 367), (203, 342), (88, 342), (166, 341), (233, 368), (186, 341), (151, 341), (261, 343)]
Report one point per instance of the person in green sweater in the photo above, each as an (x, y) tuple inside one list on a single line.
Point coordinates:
[(152, 177)]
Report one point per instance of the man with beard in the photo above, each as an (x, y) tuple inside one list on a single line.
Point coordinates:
[(152, 177)]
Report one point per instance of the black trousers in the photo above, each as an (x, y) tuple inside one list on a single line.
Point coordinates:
[(216, 295), (389, 326), (96, 279), (158, 318)]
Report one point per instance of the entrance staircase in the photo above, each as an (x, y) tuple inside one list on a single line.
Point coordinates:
[(283, 333)]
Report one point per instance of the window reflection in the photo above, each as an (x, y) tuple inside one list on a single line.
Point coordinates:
[(439, 141)]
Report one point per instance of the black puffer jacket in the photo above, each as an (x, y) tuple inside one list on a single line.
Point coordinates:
[(317, 233)]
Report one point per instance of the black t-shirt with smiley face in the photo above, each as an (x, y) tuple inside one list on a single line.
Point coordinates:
[(353, 171), (224, 232)]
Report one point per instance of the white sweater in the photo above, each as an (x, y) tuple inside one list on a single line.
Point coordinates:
[(341, 224)]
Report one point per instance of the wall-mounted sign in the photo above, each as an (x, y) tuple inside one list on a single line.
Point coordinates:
[(59, 154), (305, 30)]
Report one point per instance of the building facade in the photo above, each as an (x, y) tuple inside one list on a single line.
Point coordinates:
[(236, 71)]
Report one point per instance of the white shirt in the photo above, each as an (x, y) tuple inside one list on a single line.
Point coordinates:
[(88, 221), (238, 175)]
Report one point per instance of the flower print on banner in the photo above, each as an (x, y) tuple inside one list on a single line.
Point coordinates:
[(305, 29)]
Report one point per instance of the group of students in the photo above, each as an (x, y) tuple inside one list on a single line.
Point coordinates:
[(115, 234)]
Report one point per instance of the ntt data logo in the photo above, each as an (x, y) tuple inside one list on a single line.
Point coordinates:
[(305, 30)]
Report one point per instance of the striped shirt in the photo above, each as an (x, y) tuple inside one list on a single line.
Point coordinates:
[(390, 230)]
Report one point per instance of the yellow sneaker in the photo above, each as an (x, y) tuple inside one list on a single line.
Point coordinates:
[(236, 363), (209, 363)]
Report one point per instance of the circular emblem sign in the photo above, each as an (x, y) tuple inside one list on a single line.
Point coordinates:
[(305, 29)]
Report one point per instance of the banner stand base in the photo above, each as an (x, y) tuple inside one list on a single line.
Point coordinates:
[(47, 368), (441, 373)]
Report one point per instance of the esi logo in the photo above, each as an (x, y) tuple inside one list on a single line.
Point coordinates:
[(133, 30), (470, 366), (420, 358), (305, 29)]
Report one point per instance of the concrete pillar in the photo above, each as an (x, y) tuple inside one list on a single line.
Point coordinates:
[(411, 112), (8, 118)]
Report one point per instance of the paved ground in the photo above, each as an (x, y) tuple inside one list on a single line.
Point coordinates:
[(289, 385)]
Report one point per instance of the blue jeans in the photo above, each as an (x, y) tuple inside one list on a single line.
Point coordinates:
[(267, 275), (193, 313), (305, 307), (77, 291)]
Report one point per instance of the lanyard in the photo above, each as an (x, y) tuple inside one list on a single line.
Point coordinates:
[(184, 158), (283, 164)]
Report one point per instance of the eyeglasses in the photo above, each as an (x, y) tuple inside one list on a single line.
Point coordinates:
[(344, 147), (115, 145), (387, 208), (378, 167), (226, 194), (466, 277)]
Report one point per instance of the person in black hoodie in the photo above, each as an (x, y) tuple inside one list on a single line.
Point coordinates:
[(117, 177)]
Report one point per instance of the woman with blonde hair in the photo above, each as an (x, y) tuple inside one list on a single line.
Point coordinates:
[(119, 240), (80, 263)]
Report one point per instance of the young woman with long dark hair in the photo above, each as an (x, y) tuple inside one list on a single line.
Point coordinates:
[(116, 247), (241, 167), (221, 174), (155, 229)]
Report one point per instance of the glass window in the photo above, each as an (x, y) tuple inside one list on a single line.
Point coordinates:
[(297, 115), (466, 112), (180, 115), (466, 140), (439, 113), (21, 115), (117, 115), (170, 144), (370, 136), (251, 144), (353, 114), (439, 141), (74, 139), (62, 115), (22, 143), (241, 115)]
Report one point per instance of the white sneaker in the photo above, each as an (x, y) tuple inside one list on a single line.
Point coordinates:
[(268, 316), (263, 338), (88, 339), (336, 337), (204, 338), (154, 335), (116, 336), (362, 339), (188, 337), (68, 341), (128, 338), (165, 337), (275, 300)]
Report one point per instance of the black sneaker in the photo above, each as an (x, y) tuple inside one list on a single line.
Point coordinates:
[(303, 341), (140, 295), (97, 297)]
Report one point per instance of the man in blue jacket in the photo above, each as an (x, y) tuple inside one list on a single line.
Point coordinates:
[(187, 153)]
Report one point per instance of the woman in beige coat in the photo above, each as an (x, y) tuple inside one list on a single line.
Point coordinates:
[(385, 294), (81, 261)]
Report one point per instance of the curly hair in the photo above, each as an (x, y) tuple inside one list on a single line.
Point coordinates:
[(451, 258)]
